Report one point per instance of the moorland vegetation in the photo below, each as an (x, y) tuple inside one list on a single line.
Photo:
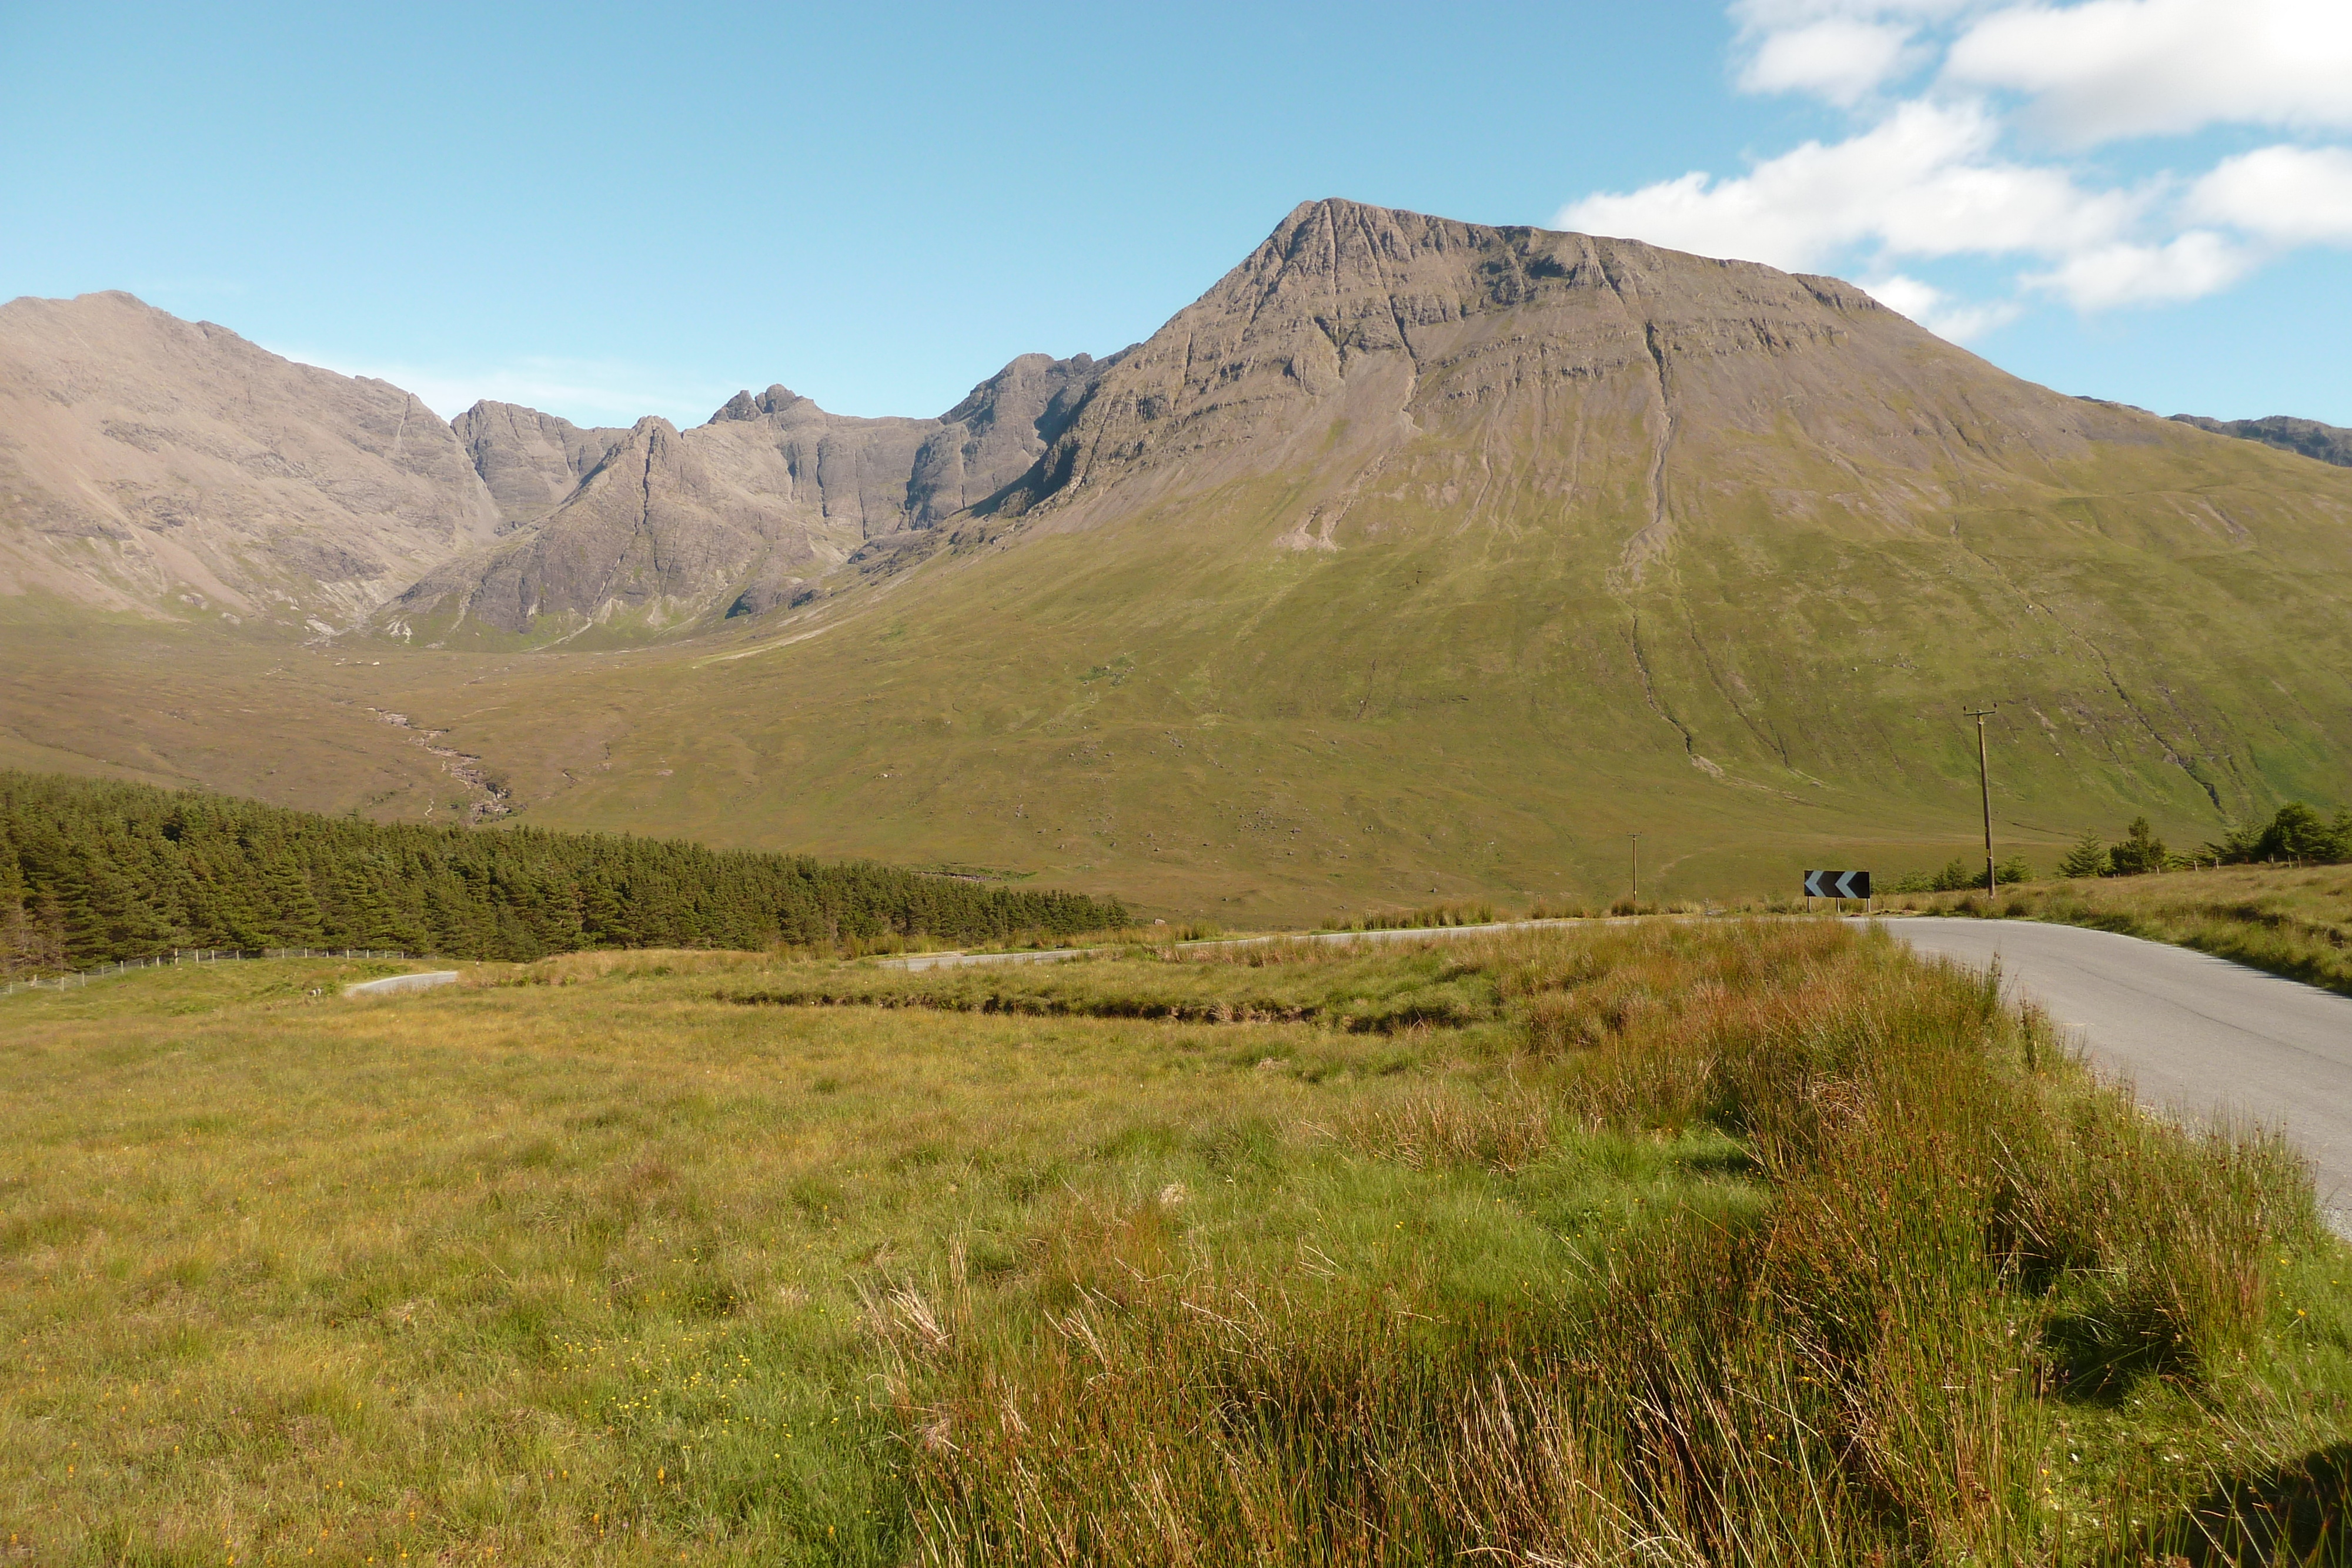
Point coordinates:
[(92, 871), (1698, 1242)]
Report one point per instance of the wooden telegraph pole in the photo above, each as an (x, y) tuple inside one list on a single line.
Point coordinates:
[(1984, 786)]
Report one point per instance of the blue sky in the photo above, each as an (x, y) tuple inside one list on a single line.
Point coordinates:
[(606, 212)]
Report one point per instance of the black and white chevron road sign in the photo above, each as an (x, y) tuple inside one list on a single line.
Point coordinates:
[(1837, 885)]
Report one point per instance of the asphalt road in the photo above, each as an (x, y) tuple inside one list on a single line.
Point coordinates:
[(2200, 1036)]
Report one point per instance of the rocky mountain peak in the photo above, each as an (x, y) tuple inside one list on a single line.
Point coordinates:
[(2323, 443), (652, 527), (530, 461), (776, 399), (1378, 328)]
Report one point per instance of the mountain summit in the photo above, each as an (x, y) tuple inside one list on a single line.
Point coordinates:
[(1354, 334), (145, 460)]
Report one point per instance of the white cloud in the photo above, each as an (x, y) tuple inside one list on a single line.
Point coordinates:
[(585, 392), (1921, 183), (1841, 50), (1840, 59), (1770, 16), (2112, 69), (1937, 311), (2190, 266), (2292, 195), (1939, 174)]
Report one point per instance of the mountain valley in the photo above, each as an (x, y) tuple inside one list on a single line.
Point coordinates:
[(1416, 558)]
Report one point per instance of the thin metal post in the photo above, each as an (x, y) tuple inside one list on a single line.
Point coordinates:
[(1637, 873)]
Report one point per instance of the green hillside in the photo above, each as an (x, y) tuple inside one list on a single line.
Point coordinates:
[(1154, 706)]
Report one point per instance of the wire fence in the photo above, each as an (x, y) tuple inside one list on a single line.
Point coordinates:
[(179, 956)]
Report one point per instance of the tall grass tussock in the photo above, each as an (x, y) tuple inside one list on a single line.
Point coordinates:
[(1868, 1368)]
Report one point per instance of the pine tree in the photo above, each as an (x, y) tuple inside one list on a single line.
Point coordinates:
[(2088, 858), (2140, 852), (2298, 833)]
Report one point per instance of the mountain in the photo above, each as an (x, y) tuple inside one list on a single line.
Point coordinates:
[(1419, 555), (1357, 338), (153, 464), (2326, 442), (145, 460), (637, 532), (1416, 558)]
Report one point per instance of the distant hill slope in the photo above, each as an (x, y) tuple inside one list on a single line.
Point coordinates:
[(155, 465), (147, 461), (2326, 442)]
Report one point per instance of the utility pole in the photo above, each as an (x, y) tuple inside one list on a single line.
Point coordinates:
[(1637, 873), (1984, 785)]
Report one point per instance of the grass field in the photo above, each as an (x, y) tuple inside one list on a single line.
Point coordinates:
[(1677, 1243), (2293, 921)]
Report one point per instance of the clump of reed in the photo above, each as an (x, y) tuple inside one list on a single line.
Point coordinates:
[(1560, 909), (1428, 917)]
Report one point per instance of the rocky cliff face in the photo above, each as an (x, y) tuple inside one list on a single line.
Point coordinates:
[(531, 462), (659, 527), (148, 462)]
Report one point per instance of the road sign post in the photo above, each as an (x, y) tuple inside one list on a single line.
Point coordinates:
[(1838, 885)]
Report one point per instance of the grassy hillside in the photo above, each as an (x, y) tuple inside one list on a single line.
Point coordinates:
[(1441, 710), (1667, 1239), (1168, 709)]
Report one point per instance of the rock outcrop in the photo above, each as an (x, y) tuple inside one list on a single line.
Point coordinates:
[(151, 463)]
